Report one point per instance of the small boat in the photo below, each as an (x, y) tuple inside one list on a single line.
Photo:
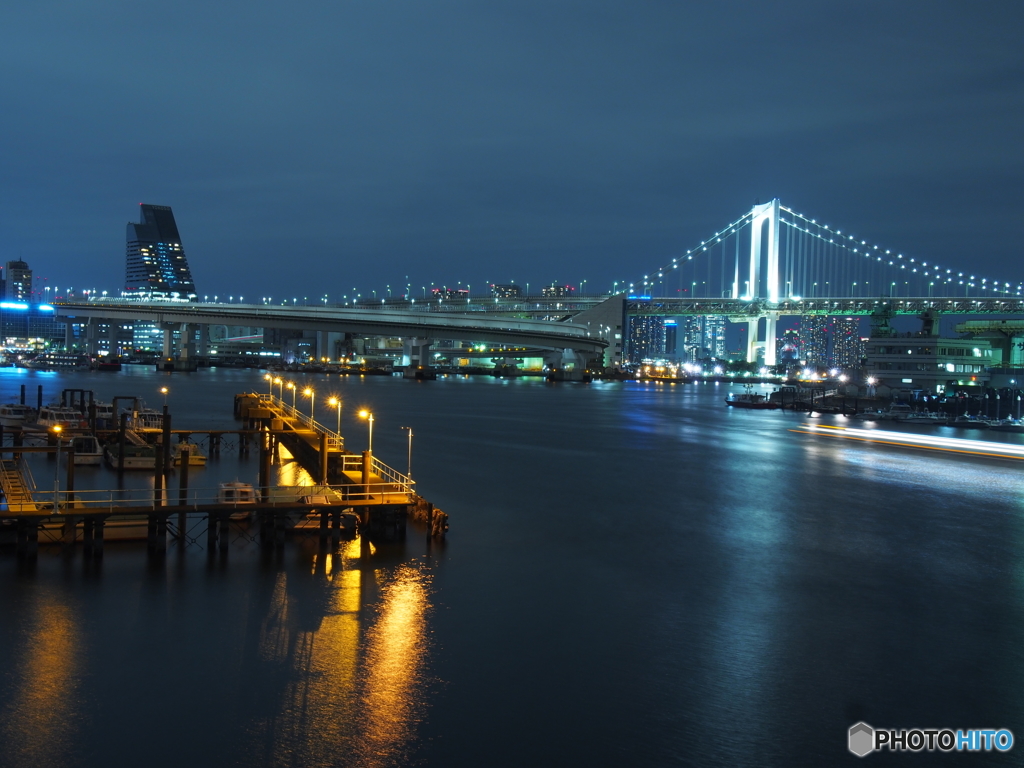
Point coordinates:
[(146, 418), (750, 400), (61, 416), (107, 364), (922, 418), (967, 422), (1007, 425), (135, 456), (195, 457), (87, 449), (51, 361), (105, 416), (238, 495), (896, 412), (15, 415)]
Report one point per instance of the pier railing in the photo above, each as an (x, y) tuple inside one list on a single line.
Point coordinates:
[(335, 442), (145, 500)]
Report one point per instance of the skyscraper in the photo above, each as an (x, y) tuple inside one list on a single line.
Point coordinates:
[(847, 346), (156, 263), (814, 338), (703, 336), (17, 281), (646, 338)]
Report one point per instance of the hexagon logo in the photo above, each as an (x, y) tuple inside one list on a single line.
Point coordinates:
[(862, 739)]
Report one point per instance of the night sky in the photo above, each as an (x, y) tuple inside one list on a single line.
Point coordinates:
[(316, 147)]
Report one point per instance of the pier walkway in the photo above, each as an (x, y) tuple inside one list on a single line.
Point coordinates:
[(347, 488)]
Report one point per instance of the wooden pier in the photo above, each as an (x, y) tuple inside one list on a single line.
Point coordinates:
[(349, 490)]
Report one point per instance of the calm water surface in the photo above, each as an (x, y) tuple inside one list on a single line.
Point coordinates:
[(635, 575)]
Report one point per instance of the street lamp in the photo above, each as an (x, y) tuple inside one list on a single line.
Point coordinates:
[(56, 472), (291, 386), (270, 383), (163, 391), (365, 414), (408, 471), (280, 382), (308, 392), (336, 401)]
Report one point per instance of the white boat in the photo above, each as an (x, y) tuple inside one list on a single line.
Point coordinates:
[(195, 457), (895, 412), (239, 495), (61, 416), (105, 416), (923, 418), (236, 493), (15, 415), (87, 449), (135, 456)]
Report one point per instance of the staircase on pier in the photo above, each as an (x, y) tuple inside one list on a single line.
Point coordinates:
[(17, 486)]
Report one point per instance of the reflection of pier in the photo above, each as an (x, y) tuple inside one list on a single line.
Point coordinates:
[(347, 487)]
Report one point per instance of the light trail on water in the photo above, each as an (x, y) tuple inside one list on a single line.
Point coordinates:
[(927, 442)]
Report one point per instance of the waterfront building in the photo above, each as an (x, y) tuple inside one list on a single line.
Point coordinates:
[(17, 281), (646, 338), (929, 363), (671, 337), (703, 337), (789, 346), (25, 326), (847, 343), (156, 265), (814, 338), (714, 335)]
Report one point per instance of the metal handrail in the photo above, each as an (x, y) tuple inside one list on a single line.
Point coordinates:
[(128, 500)]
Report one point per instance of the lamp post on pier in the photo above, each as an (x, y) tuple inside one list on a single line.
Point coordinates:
[(291, 386), (163, 391), (308, 392), (56, 472), (336, 401), (270, 383), (408, 471), (280, 382), (365, 414)]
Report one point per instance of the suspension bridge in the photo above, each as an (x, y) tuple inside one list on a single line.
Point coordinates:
[(769, 263), (774, 262)]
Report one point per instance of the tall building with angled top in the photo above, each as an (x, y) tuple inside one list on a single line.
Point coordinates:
[(156, 263)]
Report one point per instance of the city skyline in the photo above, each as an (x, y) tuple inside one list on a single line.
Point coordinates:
[(370, 147)]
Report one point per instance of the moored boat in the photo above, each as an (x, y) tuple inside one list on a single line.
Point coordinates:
[(750, 400), (87, 449), (195, 457), (1007, 425), (135, 456), (61, 416), (967, 422), (239, 495), (16, 415)]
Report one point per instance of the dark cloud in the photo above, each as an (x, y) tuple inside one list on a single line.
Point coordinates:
[(313, 147)]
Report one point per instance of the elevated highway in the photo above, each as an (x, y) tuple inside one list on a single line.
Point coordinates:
[(478, 326)]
